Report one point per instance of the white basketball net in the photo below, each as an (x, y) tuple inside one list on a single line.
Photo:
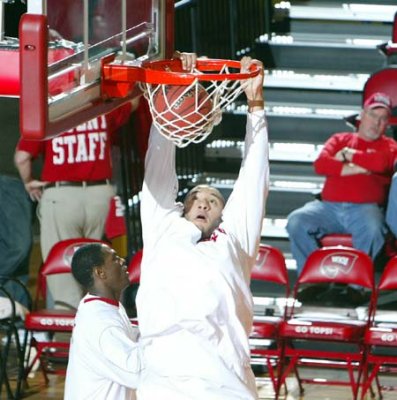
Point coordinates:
[(180, 129)]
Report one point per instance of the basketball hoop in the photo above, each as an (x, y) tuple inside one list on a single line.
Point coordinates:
[(186, 106)]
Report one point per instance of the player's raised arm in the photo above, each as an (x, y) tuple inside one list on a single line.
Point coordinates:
[(160, 186), (244, 211)]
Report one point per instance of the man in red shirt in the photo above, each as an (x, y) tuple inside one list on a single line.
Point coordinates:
[(74, 191), (358, 168)]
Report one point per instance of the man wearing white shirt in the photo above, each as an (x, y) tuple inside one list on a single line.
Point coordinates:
[(105, 359), (194, 302)]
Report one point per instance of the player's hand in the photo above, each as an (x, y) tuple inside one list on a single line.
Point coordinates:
[(35, 189), (188, 60), (253, 87)]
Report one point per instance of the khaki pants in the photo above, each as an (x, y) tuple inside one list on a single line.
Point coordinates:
[(70, 212)]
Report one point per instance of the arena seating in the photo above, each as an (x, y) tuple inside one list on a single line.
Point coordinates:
[(332, 336), (381, 335), (55, 324), (336, 239), (14, 338), (265, 345), (384, 80), (389, 48), (134, 267)]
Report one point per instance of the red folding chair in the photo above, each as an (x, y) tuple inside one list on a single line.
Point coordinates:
[(384, 80), (336, 239), (389, 49), (13, 338), (346, 240), (381, 336), (134, 276), (265, 345), (134, 267), (53, 352), (328, 337)]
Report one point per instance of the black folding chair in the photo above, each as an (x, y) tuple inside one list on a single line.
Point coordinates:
[(13, 338)]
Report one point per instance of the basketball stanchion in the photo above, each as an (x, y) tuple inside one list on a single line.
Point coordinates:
[(185, 106)]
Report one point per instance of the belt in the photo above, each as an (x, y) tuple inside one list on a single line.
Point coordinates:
[(77, 183)]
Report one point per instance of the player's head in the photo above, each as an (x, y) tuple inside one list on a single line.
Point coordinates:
[(203, 207), (98, 268), (375, 116)]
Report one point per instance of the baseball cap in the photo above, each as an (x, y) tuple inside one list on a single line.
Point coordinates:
[(378, 99)]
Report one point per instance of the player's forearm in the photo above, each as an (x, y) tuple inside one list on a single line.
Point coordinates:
[(256, 169), (160, 185), (244, 211), (160, 172)]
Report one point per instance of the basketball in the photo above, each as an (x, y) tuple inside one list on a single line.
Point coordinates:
[(182, 110)]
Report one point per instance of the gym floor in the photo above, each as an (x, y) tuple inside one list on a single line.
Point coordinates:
[(54, 391)]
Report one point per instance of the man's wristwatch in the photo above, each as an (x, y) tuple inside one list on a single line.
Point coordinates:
[(344, 156)]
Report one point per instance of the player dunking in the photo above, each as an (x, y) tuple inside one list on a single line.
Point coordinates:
[(194, 301)]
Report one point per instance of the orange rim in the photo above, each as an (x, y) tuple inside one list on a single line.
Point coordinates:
[(170, 71)]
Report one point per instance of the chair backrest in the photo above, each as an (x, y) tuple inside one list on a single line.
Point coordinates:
[(336, 239), (339, 265), (134, 267), (59, 261), (384, 306), (388, 280), (270, 267), (384, 81)]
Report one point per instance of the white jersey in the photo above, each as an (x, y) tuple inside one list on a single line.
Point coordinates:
[(104, 360), (194, 301)]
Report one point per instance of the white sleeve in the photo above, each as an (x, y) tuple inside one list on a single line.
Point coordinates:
[(124, 356), (160, 185), (244, 211)]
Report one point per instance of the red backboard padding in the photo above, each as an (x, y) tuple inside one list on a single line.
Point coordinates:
[(33, 70), (9, 71)]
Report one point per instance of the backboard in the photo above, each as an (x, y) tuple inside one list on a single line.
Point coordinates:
[(63, 45)]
